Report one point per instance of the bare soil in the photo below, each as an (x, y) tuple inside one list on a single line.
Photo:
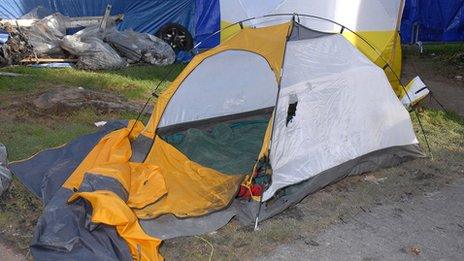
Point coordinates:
[(8, 254)]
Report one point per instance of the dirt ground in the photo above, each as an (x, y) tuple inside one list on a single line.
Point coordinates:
[(407, 212), (429, 226), (8, 254)]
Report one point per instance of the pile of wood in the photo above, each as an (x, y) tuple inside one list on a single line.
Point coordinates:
[(16, 48)]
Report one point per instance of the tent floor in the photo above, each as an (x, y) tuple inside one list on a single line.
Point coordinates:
[(230, 146)]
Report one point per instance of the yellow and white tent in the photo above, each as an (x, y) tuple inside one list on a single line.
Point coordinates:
[(285, 107)]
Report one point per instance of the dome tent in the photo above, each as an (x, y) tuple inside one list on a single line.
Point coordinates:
[(282, 92)]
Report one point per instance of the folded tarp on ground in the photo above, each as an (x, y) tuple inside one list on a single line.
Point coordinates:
[(63, 232), (91, 191)]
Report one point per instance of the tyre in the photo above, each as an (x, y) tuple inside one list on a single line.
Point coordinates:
[(177, 36)]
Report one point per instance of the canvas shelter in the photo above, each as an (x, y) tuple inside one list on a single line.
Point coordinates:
[(286, 107), (433, 21)]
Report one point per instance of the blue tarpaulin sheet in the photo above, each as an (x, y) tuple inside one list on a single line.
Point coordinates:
[(201, 18), (437, 20)]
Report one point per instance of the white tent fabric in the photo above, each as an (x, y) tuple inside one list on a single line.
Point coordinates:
[(227, 83), (346, 108), (358, 15)]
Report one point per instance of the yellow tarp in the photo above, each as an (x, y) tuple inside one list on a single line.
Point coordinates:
[(109, 209), (193, 190)]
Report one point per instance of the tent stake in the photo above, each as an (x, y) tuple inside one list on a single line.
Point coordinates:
[(268, 162), (257, 215)]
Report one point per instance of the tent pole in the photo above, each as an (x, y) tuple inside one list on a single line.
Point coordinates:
[(289, 33), (397, 31)]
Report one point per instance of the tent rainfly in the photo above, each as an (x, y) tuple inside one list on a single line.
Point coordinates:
[(247, 129)]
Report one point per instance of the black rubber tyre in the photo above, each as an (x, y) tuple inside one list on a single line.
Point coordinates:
[(177, 36)]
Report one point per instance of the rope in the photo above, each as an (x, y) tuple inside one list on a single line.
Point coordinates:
[(153, 94), (432, 96), (415, 112), (211, 245)]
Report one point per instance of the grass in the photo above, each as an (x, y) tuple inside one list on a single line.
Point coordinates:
[(435, 49), (448, 49), (132, 82), (445, 129), (26, 138)]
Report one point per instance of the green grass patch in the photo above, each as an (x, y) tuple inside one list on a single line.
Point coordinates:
[(444, 132), (133, 82), (26, 138), (444, 49)]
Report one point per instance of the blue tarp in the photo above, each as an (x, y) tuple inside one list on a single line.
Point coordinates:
[(201, 18), (437, 20)]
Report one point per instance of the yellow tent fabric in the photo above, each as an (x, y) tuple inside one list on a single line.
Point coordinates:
[(193, 190), (109, 209), (114, 149), (143, 182)]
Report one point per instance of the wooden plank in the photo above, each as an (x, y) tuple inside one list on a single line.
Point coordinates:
[(72, 22), (48, 60)]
